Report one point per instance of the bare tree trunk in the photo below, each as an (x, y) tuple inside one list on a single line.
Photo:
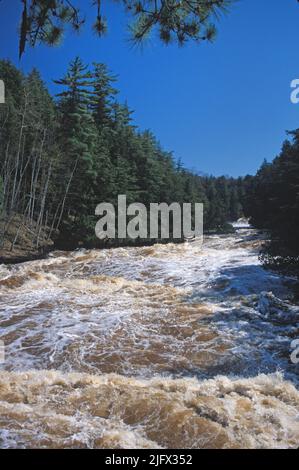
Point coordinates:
[(43, 203), (16, 171), (66, 194)]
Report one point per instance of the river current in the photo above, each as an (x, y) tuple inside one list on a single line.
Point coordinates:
[(168, 346)]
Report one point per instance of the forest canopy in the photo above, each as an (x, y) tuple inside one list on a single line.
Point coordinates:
[(273, 205), (62, 156)]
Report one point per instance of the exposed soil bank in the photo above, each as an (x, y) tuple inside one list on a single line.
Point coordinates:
[(19, 243)]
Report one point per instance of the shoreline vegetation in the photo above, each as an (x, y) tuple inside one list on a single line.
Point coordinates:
[(19, 244), (62, 156)]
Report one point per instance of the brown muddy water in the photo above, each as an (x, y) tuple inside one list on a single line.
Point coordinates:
[(170, 346)]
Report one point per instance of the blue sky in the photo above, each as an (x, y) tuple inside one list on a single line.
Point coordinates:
[(222, 108)]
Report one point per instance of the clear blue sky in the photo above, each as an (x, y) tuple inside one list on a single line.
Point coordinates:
[(222, 108)]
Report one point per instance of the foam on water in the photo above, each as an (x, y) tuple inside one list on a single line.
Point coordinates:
[(52, 409), (156, 316)]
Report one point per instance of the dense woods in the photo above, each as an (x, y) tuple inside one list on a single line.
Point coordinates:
[(272, 202), (62, 156)]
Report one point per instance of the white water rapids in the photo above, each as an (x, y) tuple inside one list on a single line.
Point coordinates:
[(164, 346)]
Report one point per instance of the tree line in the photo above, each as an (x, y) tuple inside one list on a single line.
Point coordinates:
[(272, 202), (62, 156)]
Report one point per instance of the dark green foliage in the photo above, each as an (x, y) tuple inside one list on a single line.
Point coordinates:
[(45, 21), (78, 139), (273, 204), (60, 159), (29, 155)]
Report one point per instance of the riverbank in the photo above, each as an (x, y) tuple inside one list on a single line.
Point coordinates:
[(19, 242)]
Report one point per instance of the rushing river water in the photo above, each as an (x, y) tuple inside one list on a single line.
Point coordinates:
[(177, 346)]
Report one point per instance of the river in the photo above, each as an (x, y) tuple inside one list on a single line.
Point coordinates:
[(168, 346)]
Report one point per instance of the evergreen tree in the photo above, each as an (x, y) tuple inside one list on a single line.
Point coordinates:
[(273, 204), (44, 21), (103, 93), (60, 160), (78, 139)]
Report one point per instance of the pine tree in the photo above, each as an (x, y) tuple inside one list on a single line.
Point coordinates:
[(103, 95), (60, 160), (44, 21), (274, 207), (78, 139)]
